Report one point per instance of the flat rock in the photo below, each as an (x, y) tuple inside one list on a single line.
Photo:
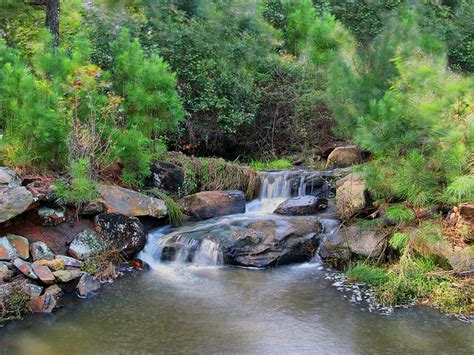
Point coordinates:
[(25, 268), (302, 206), (7, 250), (131, 203), (210, 204), (87, 286), (87, 243), (69, 262), (124, 233), (21, 244), (44, 274), (67, 275), (40, 251)]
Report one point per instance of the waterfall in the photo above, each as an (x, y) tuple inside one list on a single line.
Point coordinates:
[(201, 243)]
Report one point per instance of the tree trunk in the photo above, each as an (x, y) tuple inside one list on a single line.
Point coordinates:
[(52, 19)]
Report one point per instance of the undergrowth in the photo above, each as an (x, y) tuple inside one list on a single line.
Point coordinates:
[(277, 164), (14, 303)]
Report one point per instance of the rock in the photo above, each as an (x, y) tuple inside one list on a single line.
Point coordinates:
[(368, 243), (67, 275), (32, 290), (125, 233), (55, 264), (87, 286), (21, 244), (69, 262), (466, 211), (351, 196), (274, 242), (7, 250), (14, 201), (302, 206), (209, 204), (342, 157), (334, 245), (8, 178), (44, 274), (93, 208), (40, 251), (51, 217), (131, 203), (44, 304), (5, 273), (166, 176), (87, 243), (25, 268)]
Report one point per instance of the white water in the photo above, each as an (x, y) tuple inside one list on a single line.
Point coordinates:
[(204, 248)]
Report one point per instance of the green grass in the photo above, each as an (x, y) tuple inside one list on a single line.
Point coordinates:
[(175, 215), (367, 274), (278, 164)]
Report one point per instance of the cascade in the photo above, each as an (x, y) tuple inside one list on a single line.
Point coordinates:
[(199, 243)]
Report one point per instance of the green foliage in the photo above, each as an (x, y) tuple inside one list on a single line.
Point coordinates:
[(399, 241), (400, 214), (175, 215), (277, 164), (14, 303), (81, 188), (367, 274)]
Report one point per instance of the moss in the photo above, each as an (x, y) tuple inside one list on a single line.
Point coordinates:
[(15, 304), (277, 164)]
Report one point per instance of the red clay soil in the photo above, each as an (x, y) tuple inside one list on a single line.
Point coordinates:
[(57, 238)]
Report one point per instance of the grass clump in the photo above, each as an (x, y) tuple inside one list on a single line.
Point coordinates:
[(367, 274), (277, 164), (175, 215), (14, 303)]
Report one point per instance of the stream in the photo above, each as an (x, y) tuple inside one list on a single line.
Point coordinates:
[(195, 304)]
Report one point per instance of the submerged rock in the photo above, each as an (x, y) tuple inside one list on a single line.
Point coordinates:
[(210, 204), (271, 243), (302, 206), (87, 286), (131, 203), (87, 243), (127, 234)]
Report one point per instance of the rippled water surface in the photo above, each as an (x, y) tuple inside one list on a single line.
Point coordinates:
[(227, 310)]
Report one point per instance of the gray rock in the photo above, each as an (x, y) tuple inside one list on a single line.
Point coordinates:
[(8, 178), (87, 286), (25, 268), (69, 262), (124, 233), (342, 157), (368, 243), (40, 251), (166, 176), (87, 243), (131, 203), (302, 206), (351, 195), (68, 275), (13, 202), (209, 204), (5, 273), (7, 251)]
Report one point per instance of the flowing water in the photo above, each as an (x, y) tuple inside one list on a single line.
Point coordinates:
[(196, 305)]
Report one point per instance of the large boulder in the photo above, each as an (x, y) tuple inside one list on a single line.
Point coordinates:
[(351, 195), (14, 198), (343, 157), (302, 206), (125, 233), (166, 176), (131, 203), (87, 243), (209, 204), (274, 242)]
